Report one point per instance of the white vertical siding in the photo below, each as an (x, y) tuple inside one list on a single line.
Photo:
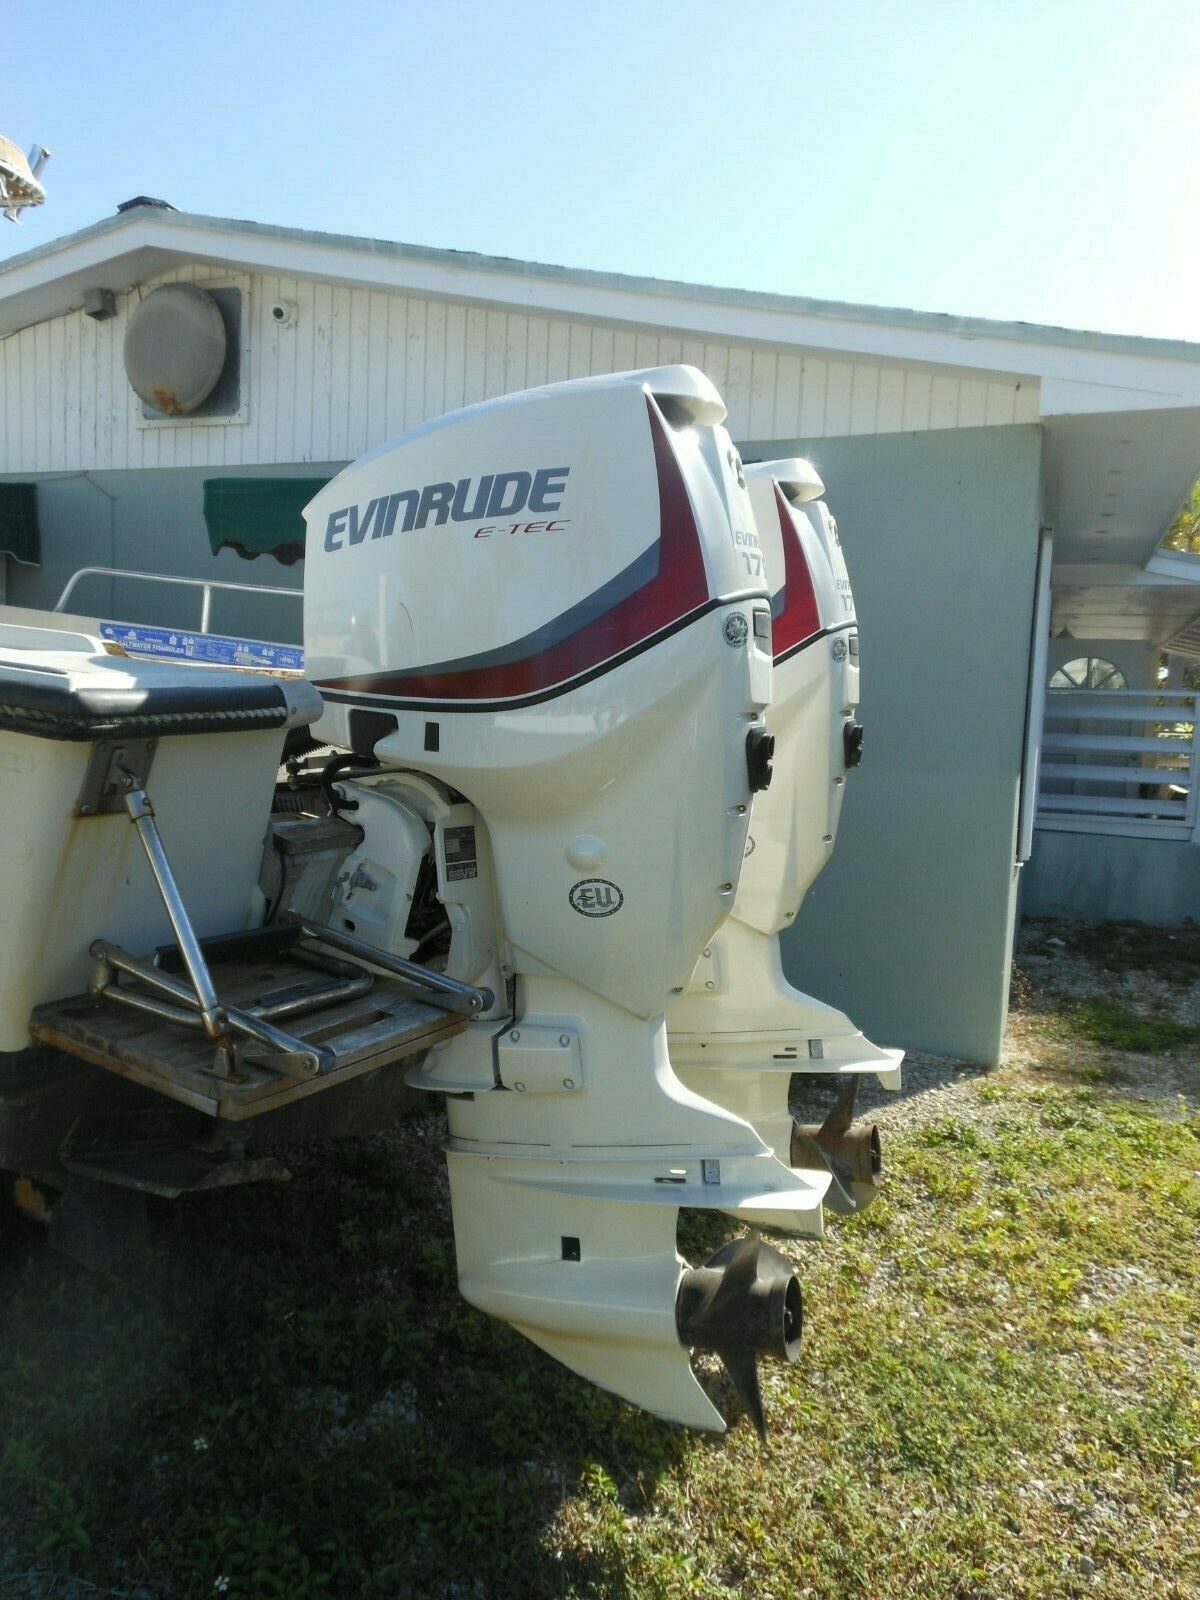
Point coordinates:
[(864, 399), (359, 366)]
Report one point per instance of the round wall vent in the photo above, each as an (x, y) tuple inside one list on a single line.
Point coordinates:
[(175, 348)]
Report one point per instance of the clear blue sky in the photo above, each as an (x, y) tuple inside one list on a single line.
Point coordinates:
[(1018, 160)]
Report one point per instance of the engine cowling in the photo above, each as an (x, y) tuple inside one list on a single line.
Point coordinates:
[(814, 691), (540, 601)]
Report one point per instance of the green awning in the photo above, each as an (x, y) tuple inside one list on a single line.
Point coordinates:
[(258, 516), (19, 537)]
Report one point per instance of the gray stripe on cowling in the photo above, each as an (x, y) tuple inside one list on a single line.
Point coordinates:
[(627, 582)]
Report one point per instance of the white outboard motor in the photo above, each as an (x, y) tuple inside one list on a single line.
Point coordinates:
[(538, 616), (741, 1029)]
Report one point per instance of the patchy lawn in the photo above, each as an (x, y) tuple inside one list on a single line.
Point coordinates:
[(997, 1398)]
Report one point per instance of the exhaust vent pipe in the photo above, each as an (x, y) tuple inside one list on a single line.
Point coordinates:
[(742, 1303)]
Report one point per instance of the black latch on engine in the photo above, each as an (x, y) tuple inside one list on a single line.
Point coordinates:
[(760, 747)]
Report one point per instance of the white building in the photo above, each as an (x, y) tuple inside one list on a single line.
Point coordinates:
[(950, 447)]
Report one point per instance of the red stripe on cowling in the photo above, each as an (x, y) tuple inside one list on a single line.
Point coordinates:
[(800, 617), (679, 586)]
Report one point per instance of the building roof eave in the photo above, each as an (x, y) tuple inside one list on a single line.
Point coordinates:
[(116, 251)]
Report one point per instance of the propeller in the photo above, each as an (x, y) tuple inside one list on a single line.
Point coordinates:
[(853, 1155), (742, 1303)]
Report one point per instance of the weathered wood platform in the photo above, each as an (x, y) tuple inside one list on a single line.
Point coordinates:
[(384, 1025)]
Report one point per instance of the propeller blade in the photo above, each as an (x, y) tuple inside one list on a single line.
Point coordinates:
[(839, 1119), (742, 1366), (739, 1258), (807, 1152)]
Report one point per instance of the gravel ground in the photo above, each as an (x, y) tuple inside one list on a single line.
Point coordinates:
[(1056, 965), (934, 1086)]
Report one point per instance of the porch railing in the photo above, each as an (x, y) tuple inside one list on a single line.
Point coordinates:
[(1120, 761)]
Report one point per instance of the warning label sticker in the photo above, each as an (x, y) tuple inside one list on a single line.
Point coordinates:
[(461, 859), (206, 649)]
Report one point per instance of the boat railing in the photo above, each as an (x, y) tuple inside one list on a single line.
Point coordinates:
[(205, 585)]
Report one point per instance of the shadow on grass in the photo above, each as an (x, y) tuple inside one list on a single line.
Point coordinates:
[(283, 1394), (812, 1096), (1172, 954)]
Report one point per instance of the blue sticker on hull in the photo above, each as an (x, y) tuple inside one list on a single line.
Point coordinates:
[(206, 649)]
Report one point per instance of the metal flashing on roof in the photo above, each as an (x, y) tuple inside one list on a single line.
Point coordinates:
[(147, 214), (146, 200)]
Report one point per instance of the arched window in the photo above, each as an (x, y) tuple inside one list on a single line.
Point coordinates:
[(1088, 672)]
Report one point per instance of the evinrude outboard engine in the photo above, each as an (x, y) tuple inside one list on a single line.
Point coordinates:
[(741, 1029), (538, 617)]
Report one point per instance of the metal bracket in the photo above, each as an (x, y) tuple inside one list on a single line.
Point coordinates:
[(105, 784), (540, 1059)]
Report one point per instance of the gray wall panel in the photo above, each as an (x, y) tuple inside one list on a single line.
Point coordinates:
[(1094, 877), (909, 928)]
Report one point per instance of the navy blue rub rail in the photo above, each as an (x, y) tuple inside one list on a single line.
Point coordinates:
[(83, 713)]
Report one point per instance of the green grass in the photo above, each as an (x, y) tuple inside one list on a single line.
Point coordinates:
[(997, 1397), (1120, 1027)]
